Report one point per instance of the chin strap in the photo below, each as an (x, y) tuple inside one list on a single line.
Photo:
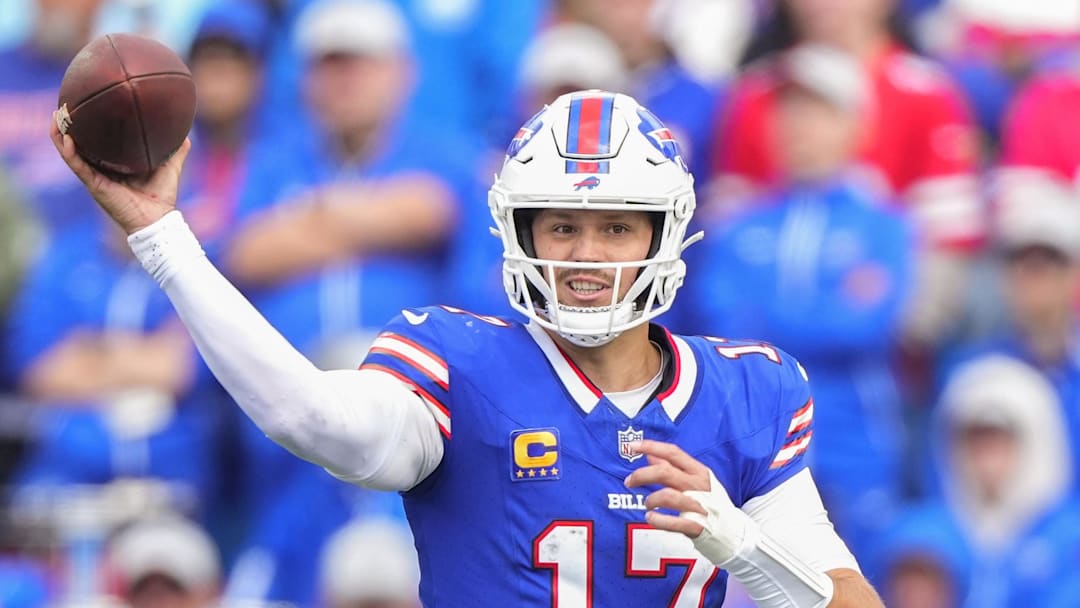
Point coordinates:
[(571, 319), (773, 576)]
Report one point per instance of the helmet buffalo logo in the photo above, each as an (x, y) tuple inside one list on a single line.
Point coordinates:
[(660, 136), (525, 134), (588, 183)]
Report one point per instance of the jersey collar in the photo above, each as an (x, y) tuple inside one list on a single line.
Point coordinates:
[(674, 392)]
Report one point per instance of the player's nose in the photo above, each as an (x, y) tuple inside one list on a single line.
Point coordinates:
[(588, 247)]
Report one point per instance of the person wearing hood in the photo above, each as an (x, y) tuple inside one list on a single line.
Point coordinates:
[(1005, 474), (1036, 267)]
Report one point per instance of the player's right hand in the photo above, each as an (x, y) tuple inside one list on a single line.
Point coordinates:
[(134, 202)]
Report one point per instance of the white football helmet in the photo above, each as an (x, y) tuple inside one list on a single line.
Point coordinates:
[(601, 151)]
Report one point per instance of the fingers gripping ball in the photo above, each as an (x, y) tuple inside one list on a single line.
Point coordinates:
[(128, 102)]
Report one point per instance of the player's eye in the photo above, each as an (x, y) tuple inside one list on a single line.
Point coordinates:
[(619, 229), (562, 229)]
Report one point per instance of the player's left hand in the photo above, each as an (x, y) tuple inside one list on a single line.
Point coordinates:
[(719, 529), (678, 472)]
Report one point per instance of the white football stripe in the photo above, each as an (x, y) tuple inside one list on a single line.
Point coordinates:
[(801, 419), (792, 450), (433, 366)]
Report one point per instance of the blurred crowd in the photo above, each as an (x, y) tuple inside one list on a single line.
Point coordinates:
[(890, 191)]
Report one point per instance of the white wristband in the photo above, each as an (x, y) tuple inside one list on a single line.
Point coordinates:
[(773, 576), (727, 532), (164, 246)]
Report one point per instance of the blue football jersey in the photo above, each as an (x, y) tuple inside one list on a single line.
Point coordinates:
[(528, 506)]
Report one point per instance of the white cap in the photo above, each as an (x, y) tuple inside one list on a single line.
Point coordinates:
[(573, 55), (170, 546), (996, 391), (1044, 16), (1039, 210), (371, 559), (833, 74), (355, 27)]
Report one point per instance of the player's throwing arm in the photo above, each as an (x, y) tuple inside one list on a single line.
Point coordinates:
[(311, 412)]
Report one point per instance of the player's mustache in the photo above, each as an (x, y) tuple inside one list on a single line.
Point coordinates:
[(564, 273)]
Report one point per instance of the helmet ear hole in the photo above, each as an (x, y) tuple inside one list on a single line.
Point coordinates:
[(523, 222), (657, 221)]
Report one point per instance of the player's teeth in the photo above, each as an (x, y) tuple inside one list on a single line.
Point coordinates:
[(584, 286)]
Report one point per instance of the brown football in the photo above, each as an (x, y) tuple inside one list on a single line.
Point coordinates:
[(128, 102)]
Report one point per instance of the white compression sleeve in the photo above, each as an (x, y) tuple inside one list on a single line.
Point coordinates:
[(365, 427), (768, 544), (792, 514)]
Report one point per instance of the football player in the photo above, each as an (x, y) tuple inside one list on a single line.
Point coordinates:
[(586, 458)]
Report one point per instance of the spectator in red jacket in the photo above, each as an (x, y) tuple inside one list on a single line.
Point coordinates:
[(918, 141)]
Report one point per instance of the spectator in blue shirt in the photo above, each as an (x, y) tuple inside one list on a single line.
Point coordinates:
[(122, 390), (30, 76), (380, 188), (820, 268), (464, 53), (282, 561), (226, 60), (922, 561), (20, 238)]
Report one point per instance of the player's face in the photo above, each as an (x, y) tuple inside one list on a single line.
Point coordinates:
[(591, 236), (987, 458), (157, 591), (1041, 287), (227, 80), (629, 24), (351, 93), (64, 25), (919, 583), (834, 21), (815, 138)]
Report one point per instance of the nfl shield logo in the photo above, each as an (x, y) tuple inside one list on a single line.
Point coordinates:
[(625, 438)]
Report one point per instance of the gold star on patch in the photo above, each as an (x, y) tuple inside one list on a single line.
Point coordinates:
[(532, 473), (543, 472), (520, 474), (554, 471)]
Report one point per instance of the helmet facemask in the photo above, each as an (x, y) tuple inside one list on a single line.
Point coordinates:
[(531, 282)]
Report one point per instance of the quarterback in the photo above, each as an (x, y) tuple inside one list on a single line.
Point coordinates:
[(584, 458)]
